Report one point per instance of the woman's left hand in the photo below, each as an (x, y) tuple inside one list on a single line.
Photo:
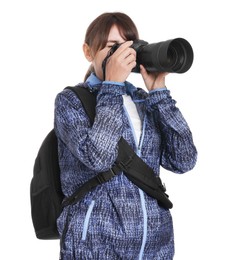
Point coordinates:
[(153, 80)]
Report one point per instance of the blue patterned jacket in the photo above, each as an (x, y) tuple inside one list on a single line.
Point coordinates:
[(117, 220)]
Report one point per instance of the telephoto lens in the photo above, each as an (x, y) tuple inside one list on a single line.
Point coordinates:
[(174, 55)]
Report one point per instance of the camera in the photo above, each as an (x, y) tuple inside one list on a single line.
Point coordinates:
[(175, 55)]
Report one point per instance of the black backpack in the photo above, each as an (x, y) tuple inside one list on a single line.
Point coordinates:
[(45, 189), (47, 199)]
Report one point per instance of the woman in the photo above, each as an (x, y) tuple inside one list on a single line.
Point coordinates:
[(117, 220)]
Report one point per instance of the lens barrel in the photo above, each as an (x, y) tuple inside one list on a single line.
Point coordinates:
[(174, 55)]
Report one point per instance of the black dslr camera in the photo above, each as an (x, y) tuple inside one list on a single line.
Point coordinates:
[(174, 55)]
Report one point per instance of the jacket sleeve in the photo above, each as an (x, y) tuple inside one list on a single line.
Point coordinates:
[(179, 153), (96, 145)]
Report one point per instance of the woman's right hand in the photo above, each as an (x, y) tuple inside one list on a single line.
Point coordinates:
[(121, 63)]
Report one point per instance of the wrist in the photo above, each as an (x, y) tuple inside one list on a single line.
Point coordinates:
[(157, 90)]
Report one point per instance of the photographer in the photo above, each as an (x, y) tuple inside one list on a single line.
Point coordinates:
[(118, 220)]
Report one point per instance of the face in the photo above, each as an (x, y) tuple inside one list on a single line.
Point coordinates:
[(97, 59)]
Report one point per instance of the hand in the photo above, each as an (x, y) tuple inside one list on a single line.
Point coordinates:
[(120, 64), (153, 80)]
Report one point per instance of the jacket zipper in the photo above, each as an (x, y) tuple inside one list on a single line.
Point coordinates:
[(145, 224), (142, 198)]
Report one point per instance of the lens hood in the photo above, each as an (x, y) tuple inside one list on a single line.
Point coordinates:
[(175, 55)]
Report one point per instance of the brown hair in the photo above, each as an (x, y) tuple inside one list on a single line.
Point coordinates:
[(97, 33)]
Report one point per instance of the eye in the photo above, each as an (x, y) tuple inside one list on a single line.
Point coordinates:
[(109, 46)]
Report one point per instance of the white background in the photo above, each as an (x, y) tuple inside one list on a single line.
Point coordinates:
[(41, 53)]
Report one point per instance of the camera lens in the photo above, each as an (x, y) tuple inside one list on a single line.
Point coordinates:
[(174, 55), (182, 55)]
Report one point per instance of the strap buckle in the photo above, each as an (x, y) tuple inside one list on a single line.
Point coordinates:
[(124, 165), (162, 186), (106, 176), (112, 171)]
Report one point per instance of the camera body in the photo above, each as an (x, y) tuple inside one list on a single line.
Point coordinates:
[(174, 55)]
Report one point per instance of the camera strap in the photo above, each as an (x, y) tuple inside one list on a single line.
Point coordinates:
[(110, 52)]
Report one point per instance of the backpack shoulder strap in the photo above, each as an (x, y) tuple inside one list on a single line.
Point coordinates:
[(87, 98), (127, 161)]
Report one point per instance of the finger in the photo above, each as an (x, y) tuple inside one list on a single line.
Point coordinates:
[(124, 46), (161, 76), (164, 74), (127, 54), (132, 65), (130, 58), (143, 71)]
